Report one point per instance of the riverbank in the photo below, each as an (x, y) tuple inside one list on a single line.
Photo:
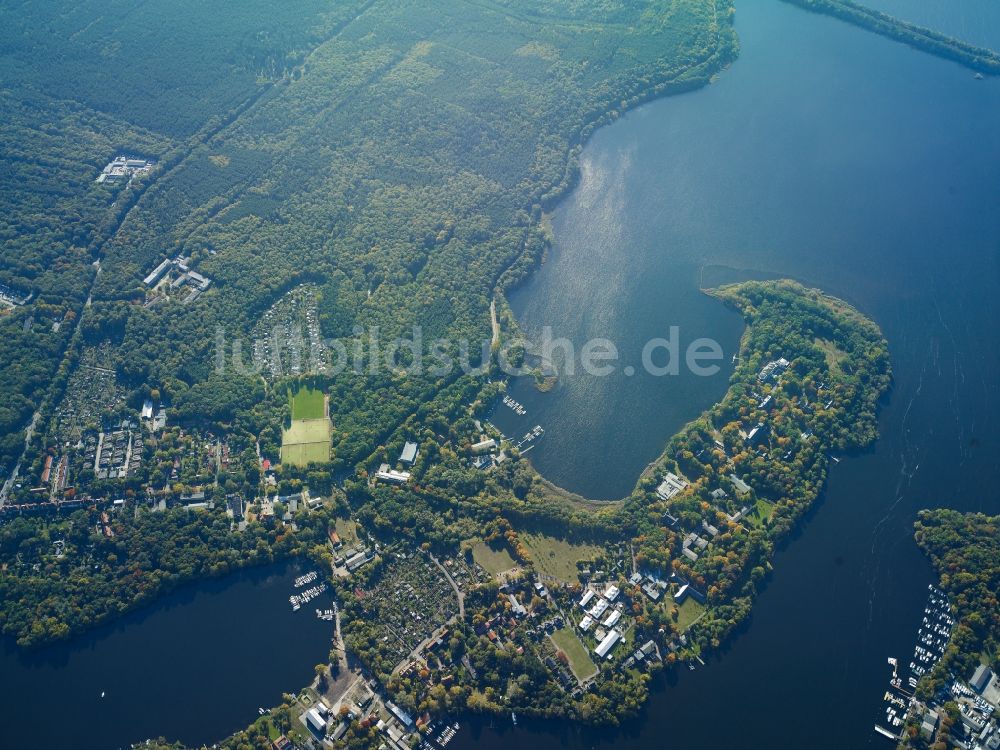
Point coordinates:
[(193, 666), (980, 59), (796, 161)]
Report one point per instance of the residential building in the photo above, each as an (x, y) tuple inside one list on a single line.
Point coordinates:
[(484, 446), (670, 486), (742, 488)]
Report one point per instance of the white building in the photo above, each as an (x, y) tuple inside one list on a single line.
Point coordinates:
[(385, 474), (599, 609), (157, 272), (357, 560), (612, 593), (670, 486), (588, 595), (603, 649), (315, 721), (409, 454), (742, 488), (484, 445), (612, 619)]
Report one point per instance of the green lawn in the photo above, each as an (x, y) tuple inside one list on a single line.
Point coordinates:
[(306, 441), (308, 404), (579, 658), (688, 612), (760, 513), (557, 557), (764, 509), (494, 560)]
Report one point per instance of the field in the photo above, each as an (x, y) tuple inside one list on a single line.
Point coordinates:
[(579, 658), (557, 557), (760, 513), (308, 404), (306, 441), (688, 612), (494, 561)]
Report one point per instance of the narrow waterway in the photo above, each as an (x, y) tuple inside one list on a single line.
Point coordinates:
[(852, 163), (193, 667)]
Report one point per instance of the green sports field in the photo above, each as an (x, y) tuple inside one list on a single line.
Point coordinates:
[(308, 404), (308, 439)]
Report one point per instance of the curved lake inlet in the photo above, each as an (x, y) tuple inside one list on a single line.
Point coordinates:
[(193, 667), (849, 162)]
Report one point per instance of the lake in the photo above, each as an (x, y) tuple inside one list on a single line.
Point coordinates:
[(195, 666), (849, 162)]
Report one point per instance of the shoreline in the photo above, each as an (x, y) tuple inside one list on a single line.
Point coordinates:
[(980, 59)]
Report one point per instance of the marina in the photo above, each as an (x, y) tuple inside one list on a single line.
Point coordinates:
[(307, 578), (514, 406), (447, 734), (932, 639), (529, 438), (297, 600), (719, 178)]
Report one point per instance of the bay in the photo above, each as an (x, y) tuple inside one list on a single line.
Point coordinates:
[(194, 666), (849, 162)]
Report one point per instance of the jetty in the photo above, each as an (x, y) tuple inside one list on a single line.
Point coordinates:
[(932, 639), (516, 406), (297, 600)]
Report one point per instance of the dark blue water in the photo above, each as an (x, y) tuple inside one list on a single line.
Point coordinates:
[(849, 162), (193, 667)]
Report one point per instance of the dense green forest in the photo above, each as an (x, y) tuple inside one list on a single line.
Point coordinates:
[(103, 567), (397, 158), (398, 154), (965, 551), (82, 84)]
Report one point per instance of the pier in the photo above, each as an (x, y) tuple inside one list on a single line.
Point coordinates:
[(932, 639)]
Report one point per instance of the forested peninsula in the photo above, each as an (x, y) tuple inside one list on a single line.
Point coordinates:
[(979, 59), (676, 565), (375, 166)]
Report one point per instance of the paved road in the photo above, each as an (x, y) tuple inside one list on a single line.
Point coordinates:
[(28, 432)]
